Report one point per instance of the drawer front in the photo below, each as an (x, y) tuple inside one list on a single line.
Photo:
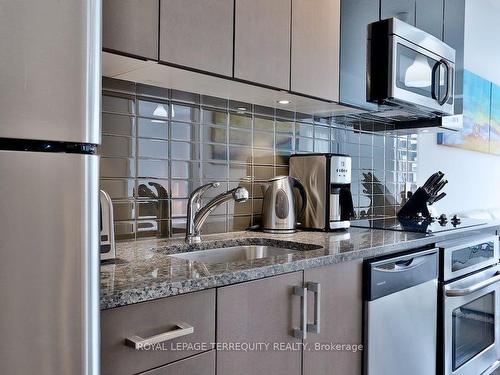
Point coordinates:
[(201, 364), (159, 321)]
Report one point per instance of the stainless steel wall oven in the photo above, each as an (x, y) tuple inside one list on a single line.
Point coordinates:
[(470, 300)]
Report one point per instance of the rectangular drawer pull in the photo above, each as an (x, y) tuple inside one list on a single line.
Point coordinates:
[(138, 343)]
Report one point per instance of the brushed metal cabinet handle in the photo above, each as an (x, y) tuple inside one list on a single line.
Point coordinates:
[(316, 289), (301, 333), (137, 342)]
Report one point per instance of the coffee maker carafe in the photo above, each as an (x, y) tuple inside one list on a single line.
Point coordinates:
[(327, 181)]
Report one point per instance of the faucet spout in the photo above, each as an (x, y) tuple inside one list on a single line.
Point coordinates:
[(195, 222), (239, 194)]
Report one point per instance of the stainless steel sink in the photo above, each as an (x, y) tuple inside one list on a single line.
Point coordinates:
[(234, 254)]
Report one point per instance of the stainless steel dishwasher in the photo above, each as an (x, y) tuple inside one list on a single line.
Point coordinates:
[(400, 314)]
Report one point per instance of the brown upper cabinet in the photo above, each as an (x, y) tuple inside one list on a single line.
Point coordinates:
[(401, 9), (429, 16), (355, 18), (262, 42), (316, 48), (197, 34), (291, 45), (453, 34), (131, 27)]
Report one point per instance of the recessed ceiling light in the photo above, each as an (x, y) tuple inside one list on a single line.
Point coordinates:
[(284, 101), (425, 130), (241, 109)]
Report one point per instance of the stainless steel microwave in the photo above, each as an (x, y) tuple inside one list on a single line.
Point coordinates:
[(410, 68)]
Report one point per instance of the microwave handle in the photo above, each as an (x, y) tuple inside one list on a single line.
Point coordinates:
[(435, 83), (449, 86), (434, 91)]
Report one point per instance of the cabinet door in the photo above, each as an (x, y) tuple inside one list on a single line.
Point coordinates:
[(316, 27), (262, 311), (454, 23), (340, 319), (131, 27), (262, 42), (198, 34), (429, 17), (402, 9), (356, 16)]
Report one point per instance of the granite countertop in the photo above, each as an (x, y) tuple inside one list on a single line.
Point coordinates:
[(145, 271)]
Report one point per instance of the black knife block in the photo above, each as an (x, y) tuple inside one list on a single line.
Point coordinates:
[(417, 204)]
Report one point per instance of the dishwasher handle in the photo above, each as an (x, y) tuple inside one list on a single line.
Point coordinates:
[(404, 263), (388, 276)]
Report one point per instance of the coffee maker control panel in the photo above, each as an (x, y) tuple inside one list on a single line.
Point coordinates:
[(340, 170)]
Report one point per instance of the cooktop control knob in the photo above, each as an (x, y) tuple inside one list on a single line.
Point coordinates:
[(442, 219), (455, 220)]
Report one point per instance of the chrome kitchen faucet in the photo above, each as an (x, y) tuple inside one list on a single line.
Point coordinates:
[(196, 215)]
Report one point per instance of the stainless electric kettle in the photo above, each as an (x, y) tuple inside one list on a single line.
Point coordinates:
[(279, 214)]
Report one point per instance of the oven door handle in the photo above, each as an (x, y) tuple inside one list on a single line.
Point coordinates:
[(473, 288)]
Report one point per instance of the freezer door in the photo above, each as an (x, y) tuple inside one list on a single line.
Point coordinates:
[(50, 70), (49, 264)]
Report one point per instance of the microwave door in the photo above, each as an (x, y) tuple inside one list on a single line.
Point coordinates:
[(420, 77)]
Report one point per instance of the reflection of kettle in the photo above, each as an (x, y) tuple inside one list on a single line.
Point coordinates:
[(278, 207)]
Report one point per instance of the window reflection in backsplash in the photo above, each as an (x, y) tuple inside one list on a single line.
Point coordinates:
[(158, 145)]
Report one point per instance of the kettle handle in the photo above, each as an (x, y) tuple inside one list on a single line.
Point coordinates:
[(297, 184)]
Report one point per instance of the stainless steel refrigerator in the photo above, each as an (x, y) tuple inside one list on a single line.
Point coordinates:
[(49, 129)]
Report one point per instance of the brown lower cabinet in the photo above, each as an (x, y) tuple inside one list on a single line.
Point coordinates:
[(255, 313), (147, 320), (340, 320), (261, 311), (201, 364), (267, 311)]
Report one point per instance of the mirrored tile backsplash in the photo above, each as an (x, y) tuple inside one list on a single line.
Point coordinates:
[(159, 144)]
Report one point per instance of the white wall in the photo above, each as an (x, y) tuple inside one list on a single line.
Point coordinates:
[(474, 178)]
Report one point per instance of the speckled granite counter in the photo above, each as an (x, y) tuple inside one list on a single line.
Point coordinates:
[(147, 271)]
